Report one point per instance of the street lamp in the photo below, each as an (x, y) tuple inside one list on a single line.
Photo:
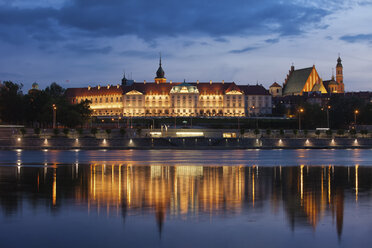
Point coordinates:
[(54, 115), (301, 110), (328, 108), (355, 116), (252, 110)]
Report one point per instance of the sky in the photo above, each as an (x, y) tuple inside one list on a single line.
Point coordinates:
[(77, 43)]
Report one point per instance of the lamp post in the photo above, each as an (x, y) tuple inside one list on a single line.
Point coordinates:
[(328, 108), (54, 115), (252, 109), (356, 112), (301, 110)]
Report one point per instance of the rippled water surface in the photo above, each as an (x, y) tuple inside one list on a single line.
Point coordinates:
[(240, 198)]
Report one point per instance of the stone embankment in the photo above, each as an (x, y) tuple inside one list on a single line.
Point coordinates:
[(90, 143)]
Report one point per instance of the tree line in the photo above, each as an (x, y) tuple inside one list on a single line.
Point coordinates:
[(341, 112), (34, 109)]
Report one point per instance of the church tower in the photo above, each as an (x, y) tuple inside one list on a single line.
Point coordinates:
[(340, 76), (160, 78), (124, 81)]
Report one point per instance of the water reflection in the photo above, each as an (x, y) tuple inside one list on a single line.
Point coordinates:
[(305, 195)]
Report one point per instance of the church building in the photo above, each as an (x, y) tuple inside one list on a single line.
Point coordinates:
[(308, 80)]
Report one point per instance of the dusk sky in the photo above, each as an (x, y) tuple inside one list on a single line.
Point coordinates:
[(89, 42)]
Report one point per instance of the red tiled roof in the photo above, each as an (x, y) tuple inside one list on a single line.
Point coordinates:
[(164, 88), (94, 91), (254, 90), (275, 84)]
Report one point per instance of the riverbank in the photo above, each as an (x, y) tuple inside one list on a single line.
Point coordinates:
[(63, 143)]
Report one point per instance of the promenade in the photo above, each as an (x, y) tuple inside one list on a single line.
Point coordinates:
[(181, 139)]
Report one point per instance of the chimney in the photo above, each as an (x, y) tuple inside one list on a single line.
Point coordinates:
[(144, 81), (108, 86), (197, 81), (210, 81), (88, 87), (117, 86), (292, 68), (223, 81), (99, 86), (170, 81)]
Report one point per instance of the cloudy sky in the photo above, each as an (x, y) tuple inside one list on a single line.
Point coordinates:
[(89, 42)]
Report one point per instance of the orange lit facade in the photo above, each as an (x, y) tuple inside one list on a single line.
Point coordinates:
[(307, 80)]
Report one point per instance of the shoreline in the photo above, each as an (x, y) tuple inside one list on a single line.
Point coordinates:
[(183, 143)]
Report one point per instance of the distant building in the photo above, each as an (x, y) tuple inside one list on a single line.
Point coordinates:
[(307, 80), (34, 88), (162, 98), (303, 80), (276, 90)]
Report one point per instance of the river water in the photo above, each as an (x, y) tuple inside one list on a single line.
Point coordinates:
[(168, 198)]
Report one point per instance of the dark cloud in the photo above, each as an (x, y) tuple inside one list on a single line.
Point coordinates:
[(244, 50), (150, 20), (84, 49), (140, 54), (272, 41), (220, 39), (357, 38)]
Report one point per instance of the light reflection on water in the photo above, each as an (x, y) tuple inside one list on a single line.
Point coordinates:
[(163, 204)]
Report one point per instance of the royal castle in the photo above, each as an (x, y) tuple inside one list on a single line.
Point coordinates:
[(167, 98)]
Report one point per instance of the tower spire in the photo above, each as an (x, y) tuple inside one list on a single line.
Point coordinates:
[(160, 74)]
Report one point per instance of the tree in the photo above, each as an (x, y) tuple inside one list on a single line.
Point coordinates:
[(56, 131), (108, 132), (22, 131), (37, 131), (281, 132), (11, 103), (35, 108), (306, 132), (122, 131), (364, 132), (352, 132), (295, 131), (317, 133), (94, 131), (242, 131), (268, 132), (55, 90), (340, 132), (79, 131), (329, 133), (66, 131), (256, 132), (139, 131)]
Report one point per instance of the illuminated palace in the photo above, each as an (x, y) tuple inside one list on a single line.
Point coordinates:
[(163, 98)]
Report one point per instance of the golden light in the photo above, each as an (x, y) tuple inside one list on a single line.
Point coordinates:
[(112, 119), (190, 134), (329, 107), (54, 107), (19, 139), (301, 110), (356, 111)]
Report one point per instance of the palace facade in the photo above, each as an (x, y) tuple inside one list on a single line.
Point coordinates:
[(163, 98)]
